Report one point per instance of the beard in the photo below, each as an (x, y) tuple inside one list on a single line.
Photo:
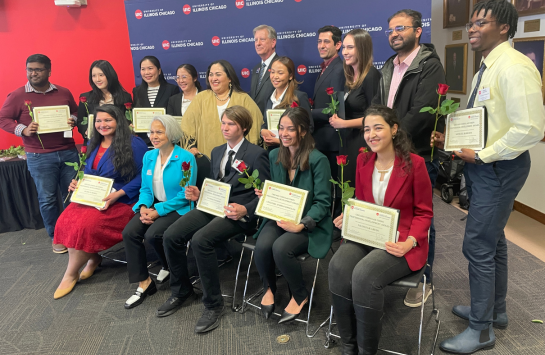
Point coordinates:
[(408, 42)]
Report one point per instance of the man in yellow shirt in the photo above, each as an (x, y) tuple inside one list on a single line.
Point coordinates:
[(509, 86)]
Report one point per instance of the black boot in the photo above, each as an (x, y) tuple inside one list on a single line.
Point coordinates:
[(369, 328), (346, 324)]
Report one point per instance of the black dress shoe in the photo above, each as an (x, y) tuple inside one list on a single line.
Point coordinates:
[(286, 317), (140, 295), (173, 304), (210, 320), (267, 310)]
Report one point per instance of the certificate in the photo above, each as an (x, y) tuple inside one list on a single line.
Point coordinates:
[(91, 190), (370, 224), (214, 197), (273, 120), (466, 129), (52, 118), (178, 119), (142, 116), (281, 202)]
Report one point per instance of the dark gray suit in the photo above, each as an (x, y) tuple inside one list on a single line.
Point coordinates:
[(261, 94), (206, 231)]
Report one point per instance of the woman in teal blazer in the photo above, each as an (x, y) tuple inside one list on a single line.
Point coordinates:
[(295, 163), (162, 201)]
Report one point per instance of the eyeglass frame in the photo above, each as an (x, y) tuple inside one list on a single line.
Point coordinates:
[(35, 70), (470, 25), (388, 32)]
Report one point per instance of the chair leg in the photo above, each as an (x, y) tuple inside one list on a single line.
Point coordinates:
[(328, 334), (436, 311), (234, 307), (310, 305), (244, 300), (422, 315)]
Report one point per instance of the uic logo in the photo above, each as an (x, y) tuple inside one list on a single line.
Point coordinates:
[(138, 14), (216, 41), (239, 4), (245, 72), (166, 45), (186, 9), (301, 70)]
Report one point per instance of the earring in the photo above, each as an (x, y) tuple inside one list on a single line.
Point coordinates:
[(230, 85), (393, 137)]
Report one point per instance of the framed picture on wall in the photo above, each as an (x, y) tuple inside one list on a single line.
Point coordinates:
[(529, 7), (455, 13), (456, 67), (477, 56), (533, 48)]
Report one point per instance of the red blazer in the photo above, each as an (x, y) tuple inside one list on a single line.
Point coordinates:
[(410, 193)]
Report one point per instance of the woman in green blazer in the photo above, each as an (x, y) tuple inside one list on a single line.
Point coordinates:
[(295, 163)]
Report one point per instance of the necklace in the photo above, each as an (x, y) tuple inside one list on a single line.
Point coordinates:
[(383, 171), (216, 95)]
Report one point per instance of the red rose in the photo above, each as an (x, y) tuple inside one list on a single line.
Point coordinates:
[(28, 102), (82, 99), (84, 149), (443, 88), (128, 105), (363, 150), (186, 166), (311, 102), (341, 159), (242, 166), (330, 91), (294, 104)]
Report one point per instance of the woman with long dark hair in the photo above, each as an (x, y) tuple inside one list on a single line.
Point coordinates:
[(285, 93), (362, 80), (295, 163), (113, 152), (188, 81), (105, 89), (202, 120), (390, 175)]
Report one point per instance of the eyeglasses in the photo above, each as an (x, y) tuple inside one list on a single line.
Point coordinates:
[(181, 77), (398, 29), (477, 24), (35, 70)]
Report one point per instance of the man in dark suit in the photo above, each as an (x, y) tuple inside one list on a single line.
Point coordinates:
[(265, 46), (332, 75), (206, 230)]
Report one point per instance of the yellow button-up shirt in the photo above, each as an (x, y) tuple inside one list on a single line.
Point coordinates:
[(516, 118)]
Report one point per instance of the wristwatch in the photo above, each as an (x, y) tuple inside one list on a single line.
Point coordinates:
[(478, 160), (415, 243)]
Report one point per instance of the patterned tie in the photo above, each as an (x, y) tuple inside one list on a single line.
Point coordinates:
[(471, 102), (261, 73)]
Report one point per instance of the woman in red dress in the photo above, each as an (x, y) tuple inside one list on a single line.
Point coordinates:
[(115, 153)]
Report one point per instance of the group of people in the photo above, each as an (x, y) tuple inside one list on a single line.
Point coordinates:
[(381, 112)]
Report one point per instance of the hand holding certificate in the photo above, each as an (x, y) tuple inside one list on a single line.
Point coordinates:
[(273, 120), (214, 196), (466, 129), (92, 190), (281, 202), (370, 224), (142, 117), (52, 119)]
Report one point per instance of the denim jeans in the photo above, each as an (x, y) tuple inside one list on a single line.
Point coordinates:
[(50, 174), (433, 172)]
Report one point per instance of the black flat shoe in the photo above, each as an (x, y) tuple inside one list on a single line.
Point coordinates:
[(209, 320), (140, 295), (173, 304), (267, 310)]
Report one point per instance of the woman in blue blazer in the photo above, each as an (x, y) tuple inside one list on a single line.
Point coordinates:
[(117, 154), (162, 201)]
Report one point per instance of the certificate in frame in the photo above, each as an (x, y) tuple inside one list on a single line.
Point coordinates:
[(370, 224), (40, 114), (106, 188), (142, 117), (276, 194), (273, 120), (214, 197), (470, 125)]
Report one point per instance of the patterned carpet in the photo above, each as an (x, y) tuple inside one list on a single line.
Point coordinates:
[(92, 320)]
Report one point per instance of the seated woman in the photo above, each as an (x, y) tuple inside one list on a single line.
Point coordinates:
[(389, 176), (113, 152), (284, 95), (295, 163), (162, 201)]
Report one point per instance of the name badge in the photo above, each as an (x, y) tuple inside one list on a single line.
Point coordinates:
[(67, 134), (484, 94), (149, 172)]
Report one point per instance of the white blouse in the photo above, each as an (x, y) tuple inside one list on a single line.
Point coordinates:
[(379, 187), (222, 108), (158, 187), (276, 102)]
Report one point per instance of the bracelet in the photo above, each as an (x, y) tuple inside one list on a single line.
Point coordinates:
[(415, 242)]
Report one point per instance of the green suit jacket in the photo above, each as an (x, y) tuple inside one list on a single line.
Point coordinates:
[(318, 205)]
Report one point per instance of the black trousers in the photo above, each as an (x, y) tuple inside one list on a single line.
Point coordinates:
[(205, 232), (275, 245), (134, 234)]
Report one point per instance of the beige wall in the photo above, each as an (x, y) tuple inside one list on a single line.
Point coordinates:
[(533, 192)]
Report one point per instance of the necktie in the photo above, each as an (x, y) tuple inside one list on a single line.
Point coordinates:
[(261, 73), (228, 164), (471, 102)]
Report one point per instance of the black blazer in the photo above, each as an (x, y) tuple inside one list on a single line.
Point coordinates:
[(255, 158), (261, 94), (82, 112), (303, 102), (325, 136), (174, 107)]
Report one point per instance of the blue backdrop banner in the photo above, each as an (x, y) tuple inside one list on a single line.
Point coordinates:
[(199, 32)]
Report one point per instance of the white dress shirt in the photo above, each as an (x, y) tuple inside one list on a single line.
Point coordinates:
[(276, 102), (158, 187), (226, 154)]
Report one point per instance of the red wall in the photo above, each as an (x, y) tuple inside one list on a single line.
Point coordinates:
[(72, 37)]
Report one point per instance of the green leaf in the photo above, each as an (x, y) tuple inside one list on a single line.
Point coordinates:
[(454, 107), (70, 164), (128, 115), (255, 174), (84, 121), (243, 180), (251, 179), (447, 103), (76, 168), (80, 175), (327, 111), (247, 186), (427, 109), (257, 182)]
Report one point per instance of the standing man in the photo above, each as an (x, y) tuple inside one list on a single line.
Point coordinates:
[(409, 83), (45, 164), (332, 75), (265, 46), (509, 86)]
